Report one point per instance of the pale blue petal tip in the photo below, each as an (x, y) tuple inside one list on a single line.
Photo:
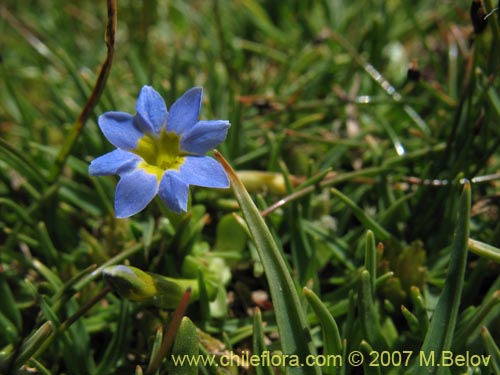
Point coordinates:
[(134, 192), (174, 192), (151, 109), (185, 111)]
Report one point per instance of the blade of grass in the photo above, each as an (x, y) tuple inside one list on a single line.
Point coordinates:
[(259, 346), (369, 315), (8, 306), (367, 349), (441, 329), (492, 349), (469, 328), (484, 250), (185, 345), (332, 344), (294, 334), (371, 258), (367, 221), (32, 344)]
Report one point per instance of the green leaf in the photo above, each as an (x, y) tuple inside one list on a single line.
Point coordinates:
[(8, 306), (367, 221), (369, 315), (259, 346), (9, 330), (332, 344), (366, 348), (411, 319), (185, 345), (156, 345), (441, 329), (420, 310), (371, 258), (294, 333), (31, 345), (230, 236), (492, 349), (484, 250), (472, 325)]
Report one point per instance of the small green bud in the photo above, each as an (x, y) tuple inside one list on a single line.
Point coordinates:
[(130, 282), (136, 285)]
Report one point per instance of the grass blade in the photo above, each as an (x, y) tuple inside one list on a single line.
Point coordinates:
[(484, 250), (441, 329), (332, 343), (294, 333), (259, 346), (367, 221), (492, 349)]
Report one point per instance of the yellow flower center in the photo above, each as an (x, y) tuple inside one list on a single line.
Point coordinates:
[(159, 153)]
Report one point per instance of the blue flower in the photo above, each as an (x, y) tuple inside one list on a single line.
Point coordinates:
[(160, 152)]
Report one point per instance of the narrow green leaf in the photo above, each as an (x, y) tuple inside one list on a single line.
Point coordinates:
[(366, 348), (259, 346), (33, 343), (332, 344), (411, 319), (383, 278), (484, 250), (156, 345), (42, 370), (46, 243), (371, 258), (294, 334), (441, 329), (21, 163), (20, 211), (9, 330), (68, 290), (204, 299), (369, 315), (395, 211), (49, 275), (492, 349), (472, 325), (367, 221), (185, 345), (8, 306), (420, 309)]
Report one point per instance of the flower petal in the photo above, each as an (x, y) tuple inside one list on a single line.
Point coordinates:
[(151, 109), (174, 192), (114, 162), (185, 111), (120, 129), (203, 171), (204, 136), (133, 192)]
